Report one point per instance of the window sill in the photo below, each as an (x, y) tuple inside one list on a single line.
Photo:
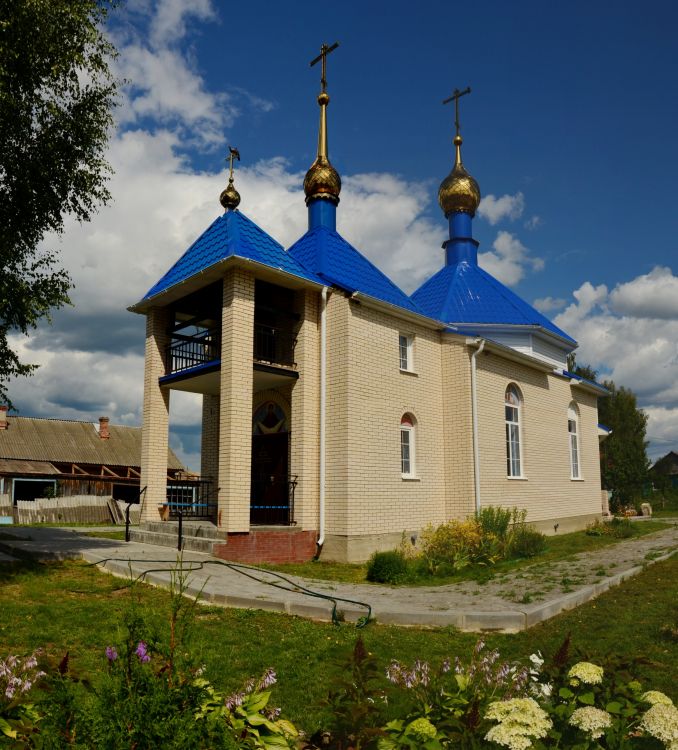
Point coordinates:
[(517, 479), (409, 478), (576, 479), (409, 372)]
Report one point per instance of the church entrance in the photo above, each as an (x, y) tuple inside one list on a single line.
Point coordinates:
[(270, 493)]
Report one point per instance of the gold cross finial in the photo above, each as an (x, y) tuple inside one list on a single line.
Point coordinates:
[(233, 153), (324, 52), (456, 95)]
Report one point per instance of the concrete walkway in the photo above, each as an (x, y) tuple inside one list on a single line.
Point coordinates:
[(509, 602)]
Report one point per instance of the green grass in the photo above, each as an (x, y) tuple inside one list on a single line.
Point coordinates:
[(559, 547), (73, 607)]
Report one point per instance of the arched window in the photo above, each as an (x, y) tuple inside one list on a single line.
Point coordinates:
[(573, 434), (512, 408), (407, 447)]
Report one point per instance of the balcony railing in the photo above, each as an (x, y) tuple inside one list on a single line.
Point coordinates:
[(186, 352), (274, 345)]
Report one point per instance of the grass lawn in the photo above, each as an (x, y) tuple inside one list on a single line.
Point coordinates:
[(558, 547), (73, 607)]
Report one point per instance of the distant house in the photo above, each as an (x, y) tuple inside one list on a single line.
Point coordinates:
[(58, 457), (667, 467)]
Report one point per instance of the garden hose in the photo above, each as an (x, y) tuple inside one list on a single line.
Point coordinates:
[(191, 566)]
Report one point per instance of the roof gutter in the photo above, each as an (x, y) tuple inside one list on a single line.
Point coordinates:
[(398, 312)]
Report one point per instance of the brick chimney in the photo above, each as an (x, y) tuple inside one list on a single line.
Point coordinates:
[(3, 416), (104, 434)]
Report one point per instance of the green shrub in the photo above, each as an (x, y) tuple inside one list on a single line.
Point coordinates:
[(494, 520), (387, 567), (525, 541), (619, 528)]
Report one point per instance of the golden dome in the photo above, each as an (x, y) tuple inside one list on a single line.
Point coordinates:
[(230, 197), (458, 191), (322, 180)]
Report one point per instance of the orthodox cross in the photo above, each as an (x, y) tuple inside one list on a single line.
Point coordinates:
[(456, 95), (324, 52), (233, 154)]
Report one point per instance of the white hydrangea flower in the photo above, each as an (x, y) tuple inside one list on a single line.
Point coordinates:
[(537, 659), (655, 696), (591, 720), (661, 721), (520, 719), (584, 671)]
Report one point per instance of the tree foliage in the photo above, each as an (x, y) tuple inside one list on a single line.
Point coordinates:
[(56, 97), (623, 454), (623, 458)]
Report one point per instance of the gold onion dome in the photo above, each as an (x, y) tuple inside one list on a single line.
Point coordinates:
[(322, 179), (459, 191)]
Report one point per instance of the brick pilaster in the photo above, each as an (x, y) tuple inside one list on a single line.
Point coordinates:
[(155, 430), (235, 414), (306, 411), (209, 446)]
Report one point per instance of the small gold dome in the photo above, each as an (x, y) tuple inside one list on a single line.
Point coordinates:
[(459, 191), (322, 180), (230, 197)]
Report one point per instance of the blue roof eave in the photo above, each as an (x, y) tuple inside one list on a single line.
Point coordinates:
[(535, 327), (213, 272), (586, 382), (403, 312)]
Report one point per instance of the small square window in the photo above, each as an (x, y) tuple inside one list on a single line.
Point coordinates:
[(405, 346)]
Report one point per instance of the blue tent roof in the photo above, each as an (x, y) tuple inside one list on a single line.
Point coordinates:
[(326, 253), (231, 234), (463, 293)]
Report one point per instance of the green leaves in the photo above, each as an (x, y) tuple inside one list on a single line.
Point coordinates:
[(56, 97)]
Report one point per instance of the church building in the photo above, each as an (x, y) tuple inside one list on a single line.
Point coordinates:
[(339, 413)]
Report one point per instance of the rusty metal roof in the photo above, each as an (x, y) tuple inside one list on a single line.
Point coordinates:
[(34, 439)]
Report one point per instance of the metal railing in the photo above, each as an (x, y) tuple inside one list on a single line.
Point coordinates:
[(272, 501), (185, 352), (191, 499), (274, 345)]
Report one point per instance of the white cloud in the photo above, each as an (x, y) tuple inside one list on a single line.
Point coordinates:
[(549, 304), (495, 209), (654, 295), (509, 259), (628, 334)]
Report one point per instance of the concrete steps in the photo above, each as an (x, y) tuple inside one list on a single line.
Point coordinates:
[(197, 536)]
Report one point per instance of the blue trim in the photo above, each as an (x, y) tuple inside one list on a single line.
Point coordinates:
[(212, 366), (604, 427), (593, 383)]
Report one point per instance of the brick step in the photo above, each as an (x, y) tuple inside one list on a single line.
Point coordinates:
[(164, 539)]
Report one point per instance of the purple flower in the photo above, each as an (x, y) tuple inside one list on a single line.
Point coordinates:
[(111, 653), (268, 678), (142, 653)]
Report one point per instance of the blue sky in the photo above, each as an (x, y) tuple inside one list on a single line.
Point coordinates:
[(570, 131)]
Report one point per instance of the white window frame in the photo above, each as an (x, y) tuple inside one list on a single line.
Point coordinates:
[(574, 445), (407, 445), (406, 352), (513, 430)]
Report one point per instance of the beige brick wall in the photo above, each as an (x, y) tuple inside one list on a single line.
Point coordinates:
[(457, 428), (367, 396), (235, 412), (547, 491), (155, 429)]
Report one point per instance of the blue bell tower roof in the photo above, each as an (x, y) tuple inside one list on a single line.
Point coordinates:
[(230, 235)]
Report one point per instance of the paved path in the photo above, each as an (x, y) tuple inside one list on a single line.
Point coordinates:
[(509, 602)]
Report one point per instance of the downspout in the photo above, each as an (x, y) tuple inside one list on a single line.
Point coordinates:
[(321, 441), (474, 411)]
